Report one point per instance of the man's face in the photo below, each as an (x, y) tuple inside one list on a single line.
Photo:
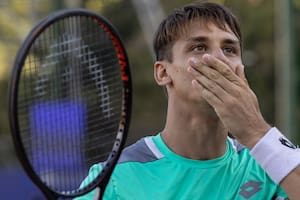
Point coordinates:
[(199, 40)]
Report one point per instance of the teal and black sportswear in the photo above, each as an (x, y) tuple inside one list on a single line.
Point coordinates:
[(148, 169)]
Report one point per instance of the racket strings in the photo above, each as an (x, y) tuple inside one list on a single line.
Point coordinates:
[(70, 101), (95, 70)]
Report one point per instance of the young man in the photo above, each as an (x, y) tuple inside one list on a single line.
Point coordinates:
[(198, 49)]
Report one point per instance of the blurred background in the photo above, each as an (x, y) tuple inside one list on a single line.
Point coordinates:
[(271, 46)]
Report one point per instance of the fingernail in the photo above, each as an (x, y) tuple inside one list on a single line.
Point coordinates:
[(194, 83), (206, 57), (193, 60), (192, 71)]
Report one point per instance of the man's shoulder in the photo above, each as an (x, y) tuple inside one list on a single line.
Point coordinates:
[(144, 150)]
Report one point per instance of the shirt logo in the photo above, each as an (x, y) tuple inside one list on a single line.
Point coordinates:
[(287, 143), (250, 188)]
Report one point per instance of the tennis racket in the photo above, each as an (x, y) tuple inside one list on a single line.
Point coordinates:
[(70, 102)]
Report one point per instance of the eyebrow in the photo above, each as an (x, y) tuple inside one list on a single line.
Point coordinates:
[(197, 39), (231, 41), (204, 39)]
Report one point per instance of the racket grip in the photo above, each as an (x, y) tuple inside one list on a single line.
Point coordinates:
[(98, 194)]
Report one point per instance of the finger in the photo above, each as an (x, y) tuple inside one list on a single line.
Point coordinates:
[(196, 63), (221, 67), (210, 85), (210, 97), (216, 77), (240, 72)]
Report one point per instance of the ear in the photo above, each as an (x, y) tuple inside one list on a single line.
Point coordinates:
[(161, 75)]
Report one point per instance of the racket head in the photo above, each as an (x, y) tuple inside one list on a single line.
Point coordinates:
[(103, 101)]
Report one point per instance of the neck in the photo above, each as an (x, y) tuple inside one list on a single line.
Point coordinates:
[(194, 133)]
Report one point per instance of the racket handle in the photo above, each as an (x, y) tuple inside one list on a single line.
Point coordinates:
[(98, 194)]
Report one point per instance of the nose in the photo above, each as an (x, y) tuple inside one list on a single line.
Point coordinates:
[(218, 53)]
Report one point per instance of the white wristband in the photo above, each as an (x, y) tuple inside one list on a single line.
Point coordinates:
[(276, 154)]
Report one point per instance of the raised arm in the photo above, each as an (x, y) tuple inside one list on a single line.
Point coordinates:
[(225, 88)]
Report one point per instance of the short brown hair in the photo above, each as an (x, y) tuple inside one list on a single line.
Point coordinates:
[(176, 24)]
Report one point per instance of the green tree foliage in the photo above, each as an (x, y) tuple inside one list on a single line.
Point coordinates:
[(256, 18)]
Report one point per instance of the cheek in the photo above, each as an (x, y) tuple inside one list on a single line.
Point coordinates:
[(180, 68), (187, 75), (184, 78)]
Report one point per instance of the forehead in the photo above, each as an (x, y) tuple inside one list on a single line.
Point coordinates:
[(207, 29)]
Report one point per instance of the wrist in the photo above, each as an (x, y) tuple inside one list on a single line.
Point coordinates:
[(276, 154), (251, 139)]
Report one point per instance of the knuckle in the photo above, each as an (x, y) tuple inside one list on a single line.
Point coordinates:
[(227, 72), (238, 94), (214, 75), (215, 62), (212, 86)]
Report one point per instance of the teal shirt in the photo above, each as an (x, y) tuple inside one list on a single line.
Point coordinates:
[(150, 170)]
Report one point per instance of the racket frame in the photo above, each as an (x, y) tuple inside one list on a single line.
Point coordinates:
[(102, 179)]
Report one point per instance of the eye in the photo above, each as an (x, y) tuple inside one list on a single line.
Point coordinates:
[(199, 48), (229, 50)]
